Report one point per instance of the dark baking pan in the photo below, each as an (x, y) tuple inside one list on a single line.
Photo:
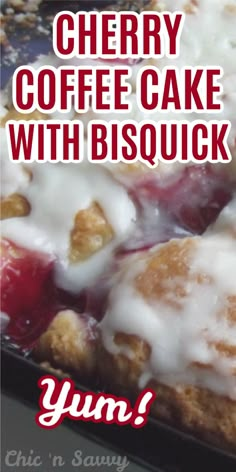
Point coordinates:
[(156, 446)]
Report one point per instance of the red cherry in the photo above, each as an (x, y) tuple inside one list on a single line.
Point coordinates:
[(186, 204), (197, 199), (27, 291)]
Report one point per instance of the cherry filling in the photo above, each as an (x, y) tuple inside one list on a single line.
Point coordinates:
[(182, 206), (28, 293), (26, 287), (198, 198)]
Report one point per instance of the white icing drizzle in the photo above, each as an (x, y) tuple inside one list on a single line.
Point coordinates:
[(179, 339), (56, 193), (13, 176)]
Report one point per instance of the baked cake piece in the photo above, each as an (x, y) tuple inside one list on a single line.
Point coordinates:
[(70, 343), (77, 213), (169, 312), (170, 323)]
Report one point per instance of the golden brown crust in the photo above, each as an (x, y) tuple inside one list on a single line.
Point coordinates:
[(91, 232), (191, 7), (204, 413), (58, 372), (197, 410), (194, 408), (133, 169), (170, 261), (69, 343), (14, 205), (119, 370), (230, 8)]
